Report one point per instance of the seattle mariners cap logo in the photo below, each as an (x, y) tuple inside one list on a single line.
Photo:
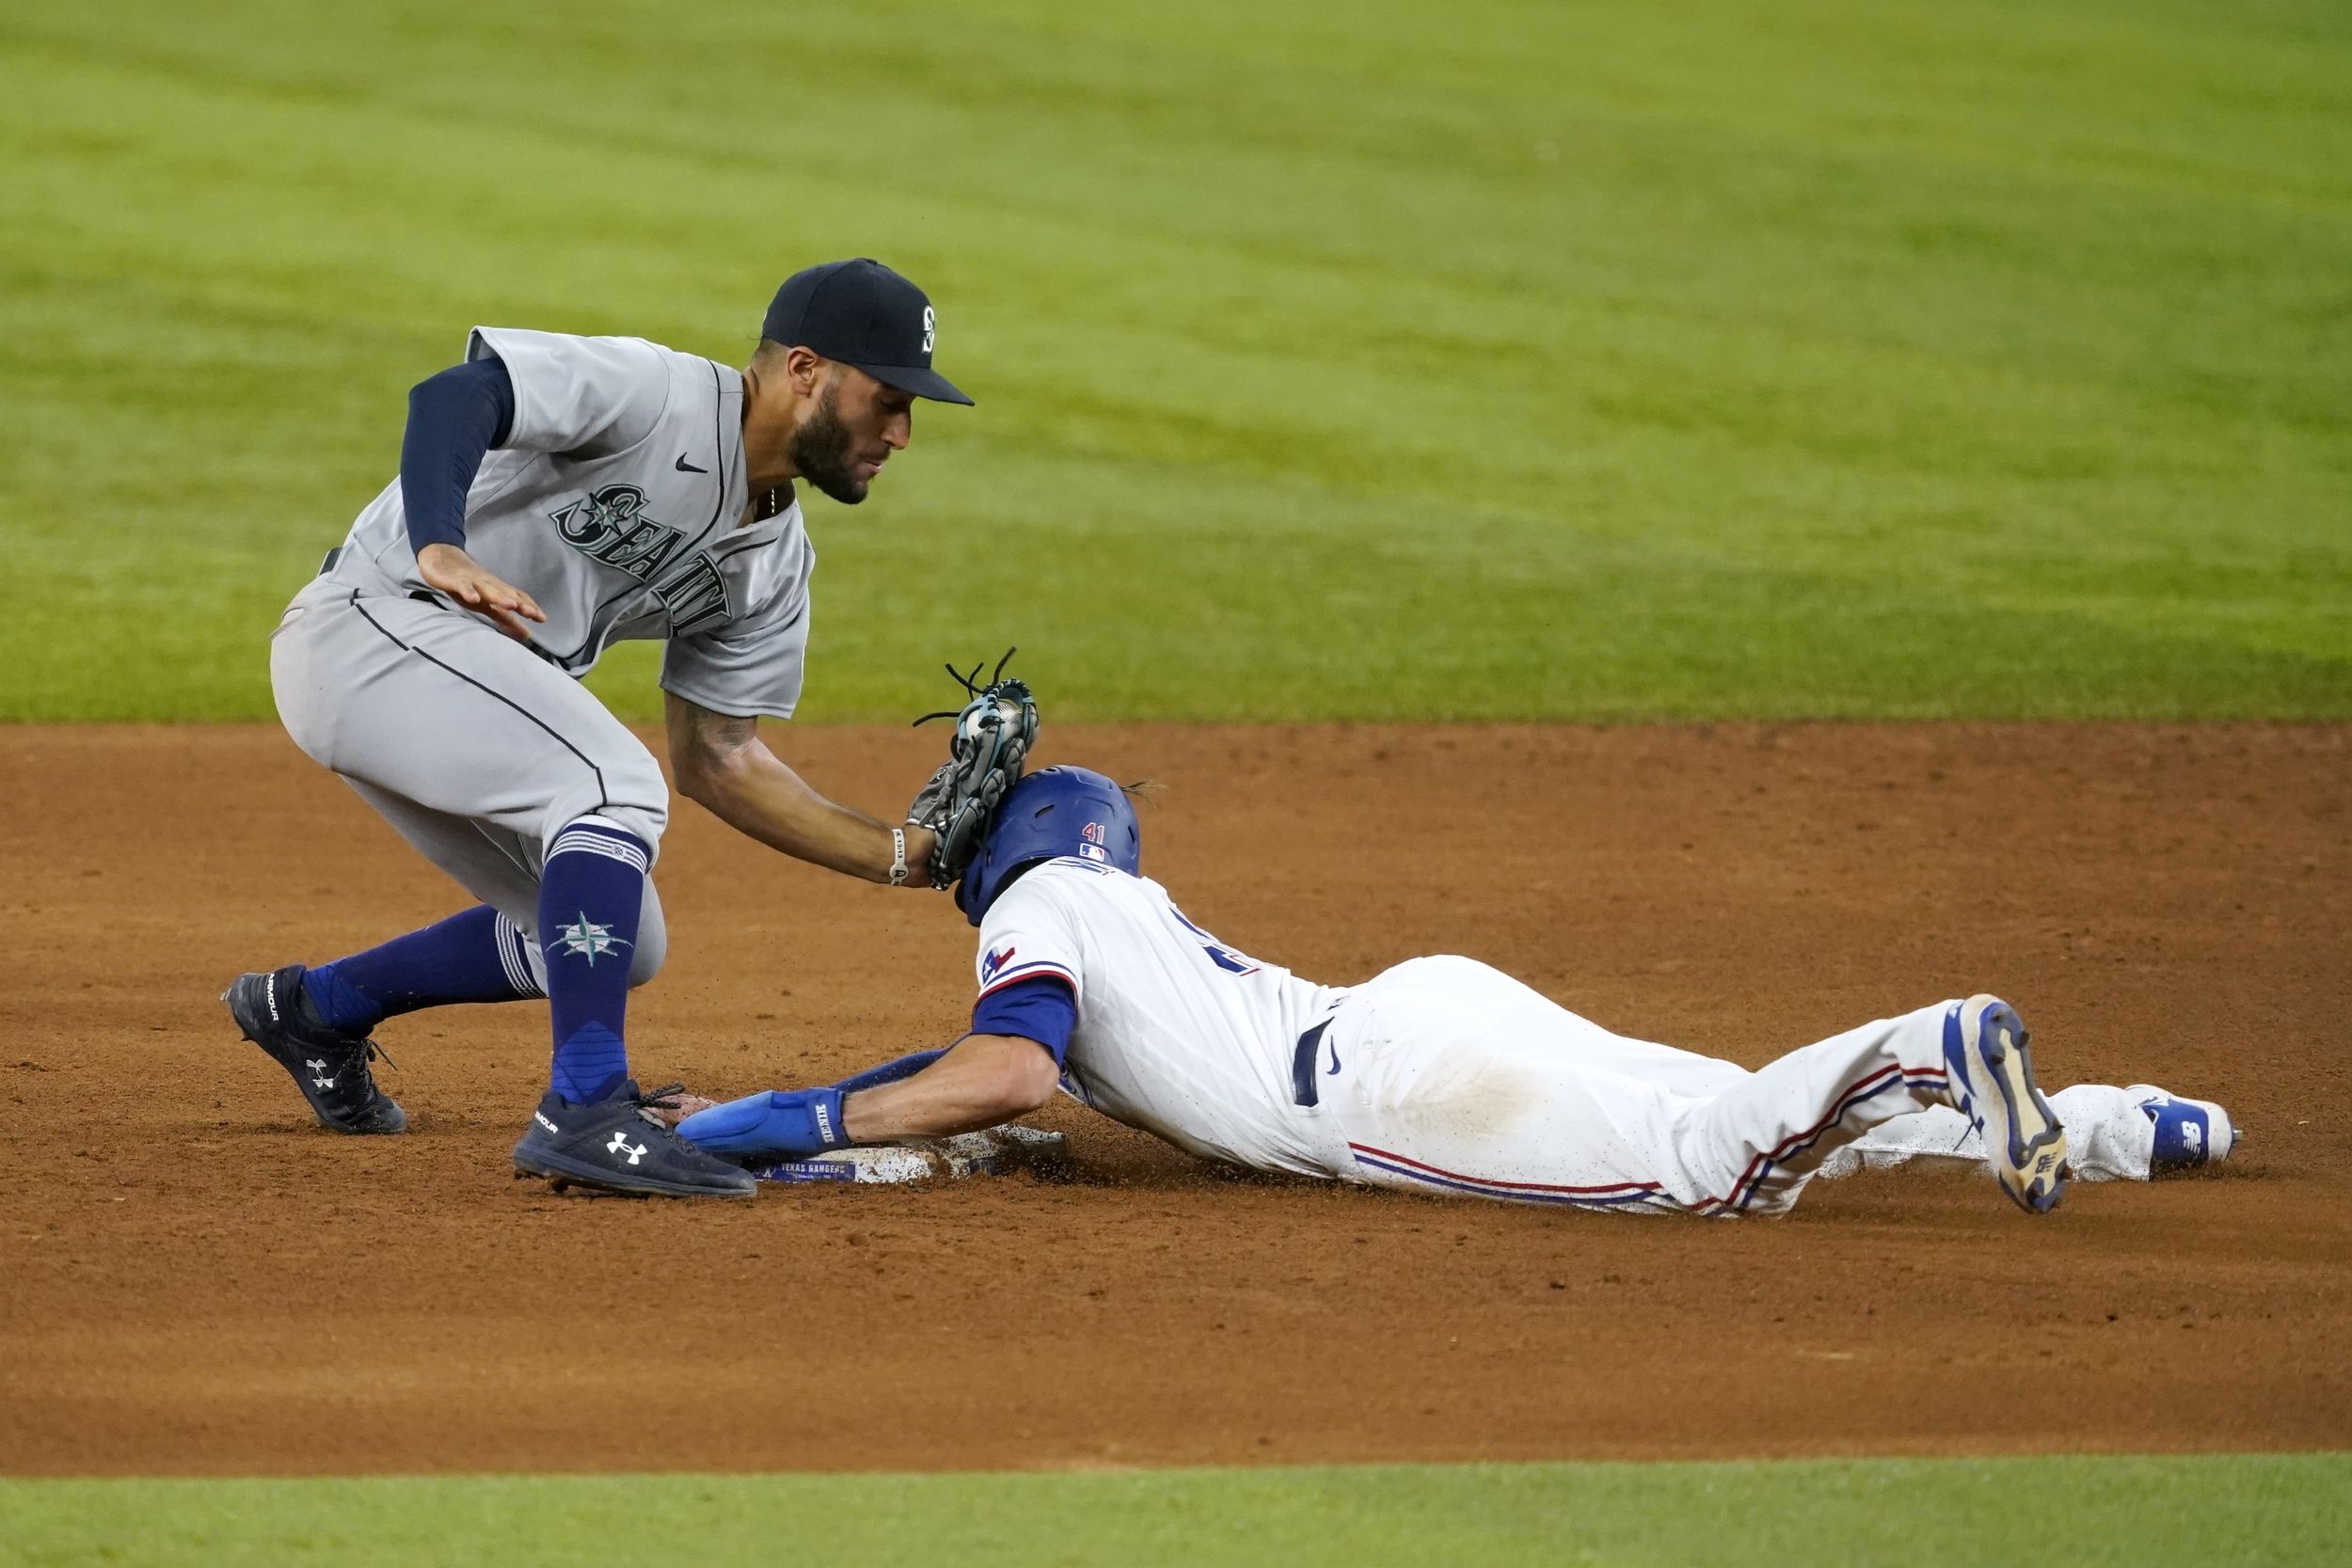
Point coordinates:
[(862, 313)]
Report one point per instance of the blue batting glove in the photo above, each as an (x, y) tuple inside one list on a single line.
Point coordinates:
[(781, 1124)]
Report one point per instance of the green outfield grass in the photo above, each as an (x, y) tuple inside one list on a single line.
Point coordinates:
[(2275, 1510), (1344, 358)]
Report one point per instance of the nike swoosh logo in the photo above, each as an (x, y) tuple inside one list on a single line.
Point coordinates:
[(685, 467)]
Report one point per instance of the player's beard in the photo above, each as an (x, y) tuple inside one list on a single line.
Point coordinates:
[(820, 449)]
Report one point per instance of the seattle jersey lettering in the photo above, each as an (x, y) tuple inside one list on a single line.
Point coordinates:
[(609, 526)]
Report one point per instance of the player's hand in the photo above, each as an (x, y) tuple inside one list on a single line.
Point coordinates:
[(678, 1107), (450, 570)]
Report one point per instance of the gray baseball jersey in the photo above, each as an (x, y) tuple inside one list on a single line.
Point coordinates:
[(615, 503)]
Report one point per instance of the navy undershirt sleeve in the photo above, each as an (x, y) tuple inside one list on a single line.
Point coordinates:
[(454, 418), (1040, 1009), (890, 1072)]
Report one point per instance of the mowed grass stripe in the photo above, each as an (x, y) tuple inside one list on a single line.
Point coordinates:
[(2278, 1510), (1358, 360)]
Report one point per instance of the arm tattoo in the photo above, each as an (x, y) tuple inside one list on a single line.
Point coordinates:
[(721, 731), (700, 733)]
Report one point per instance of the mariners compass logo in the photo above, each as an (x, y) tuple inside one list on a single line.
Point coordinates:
[(587, 939)]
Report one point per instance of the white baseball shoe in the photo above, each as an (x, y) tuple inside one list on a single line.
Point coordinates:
[(2191, 1133), (1991, 1078)]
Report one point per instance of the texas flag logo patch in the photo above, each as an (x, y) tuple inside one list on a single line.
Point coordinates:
[(991, 963)]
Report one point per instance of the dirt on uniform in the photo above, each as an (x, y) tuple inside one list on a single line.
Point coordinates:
[(196, 1279)]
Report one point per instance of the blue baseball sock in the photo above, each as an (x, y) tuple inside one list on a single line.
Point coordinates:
[(591, 893), (474, 956)]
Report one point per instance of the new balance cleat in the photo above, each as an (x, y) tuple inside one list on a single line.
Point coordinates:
[(622, 1145), (1990, 1077), (2191, 1133), (329, 1066)]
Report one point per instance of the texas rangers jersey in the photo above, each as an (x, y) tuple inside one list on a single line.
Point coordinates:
[(1176, 1033), (617, 503)]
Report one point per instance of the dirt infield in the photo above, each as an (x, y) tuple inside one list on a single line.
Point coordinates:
[(194, 1278)]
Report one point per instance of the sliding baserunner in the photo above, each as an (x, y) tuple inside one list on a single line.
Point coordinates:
[(558, 494), (1440, 1076)]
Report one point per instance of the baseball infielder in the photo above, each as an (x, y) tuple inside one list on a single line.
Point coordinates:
[(1440, 1076), (558, 494)]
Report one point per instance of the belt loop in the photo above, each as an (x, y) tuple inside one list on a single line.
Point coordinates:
[(332, 556)]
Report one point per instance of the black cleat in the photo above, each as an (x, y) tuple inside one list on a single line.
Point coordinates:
[(329, 1066), (620, 1145)]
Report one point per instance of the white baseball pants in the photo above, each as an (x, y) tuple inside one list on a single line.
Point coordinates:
[(1452, 1077)]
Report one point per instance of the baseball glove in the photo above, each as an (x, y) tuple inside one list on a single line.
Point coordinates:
[(984, 757)]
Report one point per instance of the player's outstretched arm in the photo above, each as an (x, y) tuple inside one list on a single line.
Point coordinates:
[(723, 765), (981, 1082)]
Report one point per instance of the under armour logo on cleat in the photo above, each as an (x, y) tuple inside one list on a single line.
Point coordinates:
[(541, 1117), (324, 1083), (314, 1067), (620, 1144)]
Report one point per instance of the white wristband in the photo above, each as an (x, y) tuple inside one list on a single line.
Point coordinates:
[(898, 857)]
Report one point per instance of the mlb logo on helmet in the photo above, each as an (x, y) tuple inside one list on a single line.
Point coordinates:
[(1092, 849)]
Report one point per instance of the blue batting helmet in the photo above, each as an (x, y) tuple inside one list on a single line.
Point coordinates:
[(1052, 812)]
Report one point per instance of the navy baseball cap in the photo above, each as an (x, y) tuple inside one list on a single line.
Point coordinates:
[(862, 313)]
